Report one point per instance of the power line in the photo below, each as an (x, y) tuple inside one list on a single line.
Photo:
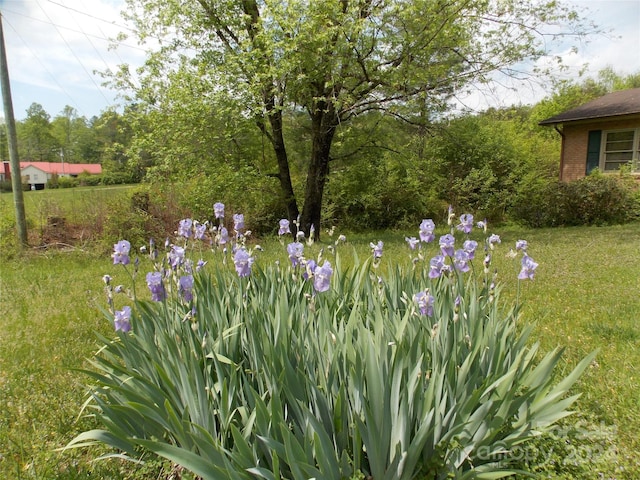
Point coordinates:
[(91, 16), (64, 27), (42, 64), (74, 54)]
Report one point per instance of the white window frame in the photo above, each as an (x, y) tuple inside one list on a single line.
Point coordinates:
[(635, 153)]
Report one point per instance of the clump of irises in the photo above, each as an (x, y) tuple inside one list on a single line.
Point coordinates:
[(172, 275), (450, 259)]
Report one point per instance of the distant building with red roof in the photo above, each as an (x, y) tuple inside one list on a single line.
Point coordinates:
[(36, 174)]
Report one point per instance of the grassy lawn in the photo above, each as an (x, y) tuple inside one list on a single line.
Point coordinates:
[(63, 215), (584, 297)]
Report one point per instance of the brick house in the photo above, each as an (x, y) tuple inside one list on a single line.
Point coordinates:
[(603, 133)]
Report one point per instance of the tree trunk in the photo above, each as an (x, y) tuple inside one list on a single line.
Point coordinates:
[(324, 122), (284, 175), (273, 108)]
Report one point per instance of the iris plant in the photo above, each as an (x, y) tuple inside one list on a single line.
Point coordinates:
[(121, 253), (238, 222), (184, 228), (377, 249), (156, 286), (284, 227), (528, 268), (218, 210), (122, 319), (243, 261), (446, 244), (322, 277), (466, 223), (425, 301), (426, 230)]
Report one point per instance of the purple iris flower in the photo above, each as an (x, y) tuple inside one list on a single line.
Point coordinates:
[(186, 287), (377, 249), (121, 252), (425, 302), (224, 236), (493, 239), (184, 228), (412, 241), (528, 268), (460, 260), (446, 244), (122, 319), (487, 263), (437, 266), (482, 225), (322, 277), (466, 223), (154, 282), (309, 267), (243, 262), (238, 222), (176, 256), (200, 265), (426, 231), (284, 227), (201, 230), (218, 210), (295, 251), (470, 247), (522, 245)]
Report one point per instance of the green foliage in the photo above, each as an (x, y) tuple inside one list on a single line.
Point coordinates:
[(478, 162), (598, 199), (261, 377), (329, 61), (243, 190), (141, 214), (9, 245), (5, 186), (378, 192), (67, 182)]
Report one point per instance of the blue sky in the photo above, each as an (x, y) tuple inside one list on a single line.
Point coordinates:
[(54, 47)]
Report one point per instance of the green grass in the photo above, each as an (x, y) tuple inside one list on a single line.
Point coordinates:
[(585, 296), (76, 204)]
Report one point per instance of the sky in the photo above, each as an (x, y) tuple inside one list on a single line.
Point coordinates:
[(55, 47)]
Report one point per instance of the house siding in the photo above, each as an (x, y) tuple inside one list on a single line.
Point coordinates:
[(575, 143), (33, 175)]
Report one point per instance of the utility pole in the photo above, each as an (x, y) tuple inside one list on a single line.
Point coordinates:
[(12, 137)]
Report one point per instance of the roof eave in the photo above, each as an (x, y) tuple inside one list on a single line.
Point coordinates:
[(616, 116)]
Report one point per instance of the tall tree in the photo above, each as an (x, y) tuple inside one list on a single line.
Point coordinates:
[(74, 136), (334, 60), (35, 135)]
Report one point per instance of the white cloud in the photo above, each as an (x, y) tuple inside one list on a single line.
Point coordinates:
[(54, 47), (617, 47)]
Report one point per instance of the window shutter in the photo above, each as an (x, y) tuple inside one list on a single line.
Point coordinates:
[(593, 150)]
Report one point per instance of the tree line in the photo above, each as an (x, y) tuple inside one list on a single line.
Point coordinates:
[(385, 172), (72, 138)]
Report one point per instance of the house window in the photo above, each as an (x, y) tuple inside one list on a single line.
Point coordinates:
[(621, 147)]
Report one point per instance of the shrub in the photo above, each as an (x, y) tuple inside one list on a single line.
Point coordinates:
[(143, 214), (597, 199), (117, 178), (312, 371), (376, 194), (88, 180), (67, 182)]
